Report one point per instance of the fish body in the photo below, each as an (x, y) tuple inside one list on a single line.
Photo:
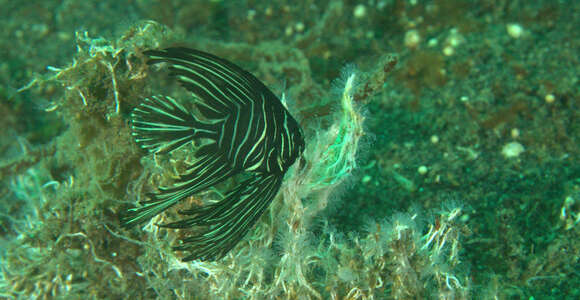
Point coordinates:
[(246, 129)]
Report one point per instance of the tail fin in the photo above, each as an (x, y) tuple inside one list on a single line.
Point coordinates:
[(160, 125)]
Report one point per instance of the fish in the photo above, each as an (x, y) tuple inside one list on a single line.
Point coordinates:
[(246, 130)]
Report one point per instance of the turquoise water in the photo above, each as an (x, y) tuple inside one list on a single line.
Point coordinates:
[(452, 173)]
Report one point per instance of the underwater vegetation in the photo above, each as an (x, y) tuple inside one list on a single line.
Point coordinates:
[(281, 256), (445, 171)]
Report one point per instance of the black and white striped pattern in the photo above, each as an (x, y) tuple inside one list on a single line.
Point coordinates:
[(248, 129), (161, 125), (228, 220)]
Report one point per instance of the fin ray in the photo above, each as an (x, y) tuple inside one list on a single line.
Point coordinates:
[(210, 170), (229, 220), (218, 82), (160, 125)]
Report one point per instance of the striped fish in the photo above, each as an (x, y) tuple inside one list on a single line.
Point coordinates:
[(249, 131)]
